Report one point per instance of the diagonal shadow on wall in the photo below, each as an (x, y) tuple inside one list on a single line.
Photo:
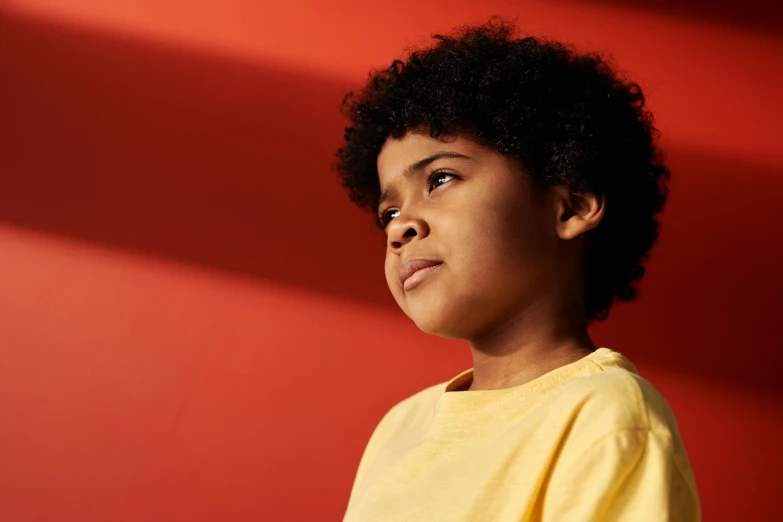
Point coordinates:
[(200, 159), (222, 163)]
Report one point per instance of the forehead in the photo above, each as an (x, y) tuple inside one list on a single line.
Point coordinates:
[(399, 153)]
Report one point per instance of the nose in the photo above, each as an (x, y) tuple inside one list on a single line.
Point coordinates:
[(402, 230)]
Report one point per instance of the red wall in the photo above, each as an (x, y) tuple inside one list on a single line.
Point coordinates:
[(194, 323)]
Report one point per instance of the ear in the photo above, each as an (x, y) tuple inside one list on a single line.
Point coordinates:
[(577, 213)]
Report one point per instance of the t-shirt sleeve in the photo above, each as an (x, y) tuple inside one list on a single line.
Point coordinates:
[(628, 475)]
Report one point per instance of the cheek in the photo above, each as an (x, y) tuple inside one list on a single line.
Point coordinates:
[(496, 230), (497, 248)]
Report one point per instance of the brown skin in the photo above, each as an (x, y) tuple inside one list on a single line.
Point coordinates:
[(511, 282)]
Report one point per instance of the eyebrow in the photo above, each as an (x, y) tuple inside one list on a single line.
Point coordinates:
[(416, 167)]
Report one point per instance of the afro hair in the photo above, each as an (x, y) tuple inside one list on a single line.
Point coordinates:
[(566, 118)]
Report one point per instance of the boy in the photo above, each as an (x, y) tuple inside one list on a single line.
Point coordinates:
[(517, 183)]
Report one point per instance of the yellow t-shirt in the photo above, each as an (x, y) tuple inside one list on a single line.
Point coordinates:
[(588, 441)]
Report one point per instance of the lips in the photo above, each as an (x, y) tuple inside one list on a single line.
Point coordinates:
[(411, 266)]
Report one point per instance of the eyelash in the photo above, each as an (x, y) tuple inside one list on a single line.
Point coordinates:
[(384, 221)]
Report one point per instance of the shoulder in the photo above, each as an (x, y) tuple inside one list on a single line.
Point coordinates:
[(416, 407), (406, 416), (613, 394), (620, 419), (616, 399)]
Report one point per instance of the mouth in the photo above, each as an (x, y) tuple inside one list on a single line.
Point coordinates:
[(414, 271)]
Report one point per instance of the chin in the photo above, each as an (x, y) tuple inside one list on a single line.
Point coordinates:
[(436, 317), (436, 324), (427, 320)]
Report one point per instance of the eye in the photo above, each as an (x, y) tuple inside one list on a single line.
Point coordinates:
[(438, 174), (385, 216)]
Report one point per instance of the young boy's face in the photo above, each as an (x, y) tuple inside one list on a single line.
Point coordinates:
[(493, 231)]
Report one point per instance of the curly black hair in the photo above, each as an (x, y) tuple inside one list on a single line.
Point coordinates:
[(565, 117)]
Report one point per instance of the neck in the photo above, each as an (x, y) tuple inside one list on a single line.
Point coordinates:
[(526, 347)]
